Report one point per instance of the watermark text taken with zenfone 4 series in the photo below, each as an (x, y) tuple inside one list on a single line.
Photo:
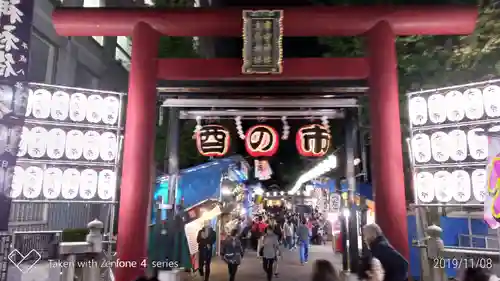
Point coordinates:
[(26, 262)]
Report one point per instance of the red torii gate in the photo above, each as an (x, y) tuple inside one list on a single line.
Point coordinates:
[(379, 24)]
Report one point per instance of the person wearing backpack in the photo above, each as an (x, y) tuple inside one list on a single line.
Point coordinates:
[(232, 253)]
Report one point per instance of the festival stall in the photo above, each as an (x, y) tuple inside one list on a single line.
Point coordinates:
[(219, 181)]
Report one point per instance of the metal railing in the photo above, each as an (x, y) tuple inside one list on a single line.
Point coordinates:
[(478, 241), (45, 243), (5, 248)]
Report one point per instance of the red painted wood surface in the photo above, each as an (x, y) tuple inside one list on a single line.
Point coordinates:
[(303, 69), (297, 21)]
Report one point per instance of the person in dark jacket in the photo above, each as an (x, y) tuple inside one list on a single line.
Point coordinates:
[(394, 264), (232, 253), (206, 239)]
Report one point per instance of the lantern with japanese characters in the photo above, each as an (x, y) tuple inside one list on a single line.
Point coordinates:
[(313, 140), (261, 141), (213, 140)]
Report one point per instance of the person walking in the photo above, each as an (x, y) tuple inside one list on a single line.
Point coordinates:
[(206, 239), (278, 230), (303, 241), (394, 264), (269, 252), (232, 253), (288, 231)]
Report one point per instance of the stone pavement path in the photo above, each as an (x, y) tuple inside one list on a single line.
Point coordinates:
[(290, 268)]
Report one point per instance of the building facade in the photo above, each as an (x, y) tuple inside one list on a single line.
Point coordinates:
[(85, 62)]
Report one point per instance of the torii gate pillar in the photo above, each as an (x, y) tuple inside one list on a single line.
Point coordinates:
[(138, 153), (388, 176)]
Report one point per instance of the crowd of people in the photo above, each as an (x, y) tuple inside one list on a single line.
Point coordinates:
[(271, 234)]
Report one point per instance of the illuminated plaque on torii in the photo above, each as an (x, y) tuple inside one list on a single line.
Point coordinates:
[(262, 42)]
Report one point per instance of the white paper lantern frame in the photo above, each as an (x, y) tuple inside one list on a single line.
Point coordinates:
[(73, 105), (454, 105), (460, 144), (452, 184)]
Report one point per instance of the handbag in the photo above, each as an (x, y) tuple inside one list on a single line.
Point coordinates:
[(261, 251)]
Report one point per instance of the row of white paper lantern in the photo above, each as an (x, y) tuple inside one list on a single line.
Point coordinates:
[(455, 106), (60, 105), (54, 183), (444, 186), (55, 143), (455, 145)]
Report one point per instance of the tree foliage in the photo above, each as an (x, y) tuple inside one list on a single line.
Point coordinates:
[(176, 47)]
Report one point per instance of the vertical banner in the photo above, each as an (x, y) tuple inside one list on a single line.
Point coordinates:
[(262, 42), (15, 21), (492, 200)]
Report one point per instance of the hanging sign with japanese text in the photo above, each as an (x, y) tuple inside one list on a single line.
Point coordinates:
[(262, 42), (313, 140), (261, 141), (15, 21), (213, 141)]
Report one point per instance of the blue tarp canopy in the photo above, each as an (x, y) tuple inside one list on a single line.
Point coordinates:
[(201, 182)]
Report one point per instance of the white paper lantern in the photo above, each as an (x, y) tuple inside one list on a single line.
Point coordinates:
[(494, 129), (425, 187), (4, 136), (15, 136), (21, 95), (474, 106), (88, 184), (94, 108), (6, 99), (479, 182), (17, 182), (478, 144), (56, 144), (454, 102), (6, 177), (107, 184), (443, 186), (461, 182), (60, 106), (29, 105), (421, 146), (491, 98), (32, 185), (111, 109), (440, 146), (52, 183), (77, 107), (91, 144), (23, 144), (74, 144), (71, 184), (108, 146), (437, 112), (418, 110), (457, 145), (42, 100), (37, 145)]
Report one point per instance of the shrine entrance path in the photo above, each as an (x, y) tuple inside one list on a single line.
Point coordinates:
[(290, 268)]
